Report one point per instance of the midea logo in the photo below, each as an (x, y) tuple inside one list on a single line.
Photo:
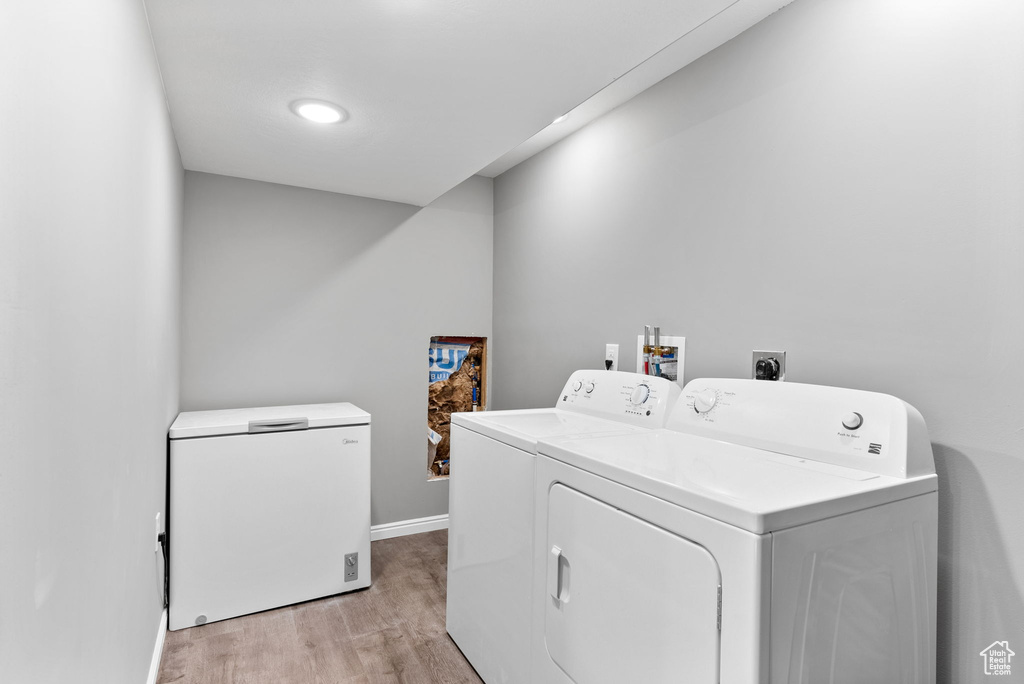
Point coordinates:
[(350, 441)]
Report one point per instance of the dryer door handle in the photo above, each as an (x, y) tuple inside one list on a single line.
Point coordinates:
[(555, 578)]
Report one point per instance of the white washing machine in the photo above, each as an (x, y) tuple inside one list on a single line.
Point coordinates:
[(773, 532), (491, 506)]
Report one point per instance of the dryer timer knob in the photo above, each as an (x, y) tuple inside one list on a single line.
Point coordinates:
[(704, 401), (640, 395)]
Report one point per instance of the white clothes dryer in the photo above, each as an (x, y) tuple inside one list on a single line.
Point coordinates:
[(773, 532), (491, 507)]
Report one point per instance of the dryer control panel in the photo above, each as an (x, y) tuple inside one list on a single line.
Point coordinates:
[(873, 432), (627, 397)]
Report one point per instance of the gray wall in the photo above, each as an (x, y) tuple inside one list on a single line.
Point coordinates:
[(843, 182), (90, 247), (301, 296)]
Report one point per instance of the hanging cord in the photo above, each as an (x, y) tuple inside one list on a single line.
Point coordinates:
[(162, 538)]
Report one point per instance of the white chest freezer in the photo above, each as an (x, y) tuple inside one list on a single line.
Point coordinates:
[(268, 507)]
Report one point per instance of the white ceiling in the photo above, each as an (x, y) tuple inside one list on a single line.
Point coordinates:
[(436, 90)]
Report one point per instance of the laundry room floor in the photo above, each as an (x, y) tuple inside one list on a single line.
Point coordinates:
[(392, 632)]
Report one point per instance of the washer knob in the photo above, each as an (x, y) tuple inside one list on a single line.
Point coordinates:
[(590, 387), (853, 420), (704, 401), (576, 386), (640, 395)]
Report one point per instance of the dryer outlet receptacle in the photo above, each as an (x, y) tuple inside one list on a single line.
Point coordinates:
[(768, 365)]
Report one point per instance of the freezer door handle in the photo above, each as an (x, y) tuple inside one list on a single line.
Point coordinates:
[(278, 425)]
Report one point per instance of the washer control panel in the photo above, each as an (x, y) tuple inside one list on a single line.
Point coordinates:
[(867, 431), (641, 393), (629, 397)]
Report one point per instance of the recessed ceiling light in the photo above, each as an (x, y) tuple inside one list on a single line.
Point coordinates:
[(560, 119), (319, 111)]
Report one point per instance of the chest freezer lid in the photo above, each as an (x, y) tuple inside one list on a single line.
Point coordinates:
[(239, 421)]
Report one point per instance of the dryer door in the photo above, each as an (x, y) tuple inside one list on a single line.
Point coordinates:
[(627, 601)]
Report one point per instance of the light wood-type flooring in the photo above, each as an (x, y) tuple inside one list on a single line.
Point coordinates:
[(392, 632)]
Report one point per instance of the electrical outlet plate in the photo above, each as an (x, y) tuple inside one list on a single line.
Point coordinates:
[(156, 537), (611, 353), (779, 356)]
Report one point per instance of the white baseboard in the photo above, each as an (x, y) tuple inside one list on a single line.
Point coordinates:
[(404, 527), (158, 649)]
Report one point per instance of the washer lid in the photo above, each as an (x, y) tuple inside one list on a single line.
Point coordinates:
[(754, 489), (523, 428), (266, 419)]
